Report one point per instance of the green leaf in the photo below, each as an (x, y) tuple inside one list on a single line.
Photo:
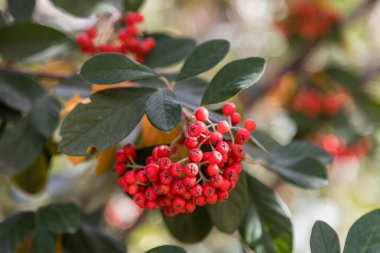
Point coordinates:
[(14, 230), (19, 140), (266, 227), (189, 227), (21, 40), (364, 235), (108, 119), (45, 115), (228, 215), (232, 78), (203, 58), (345, 77), (133, 5), (166, 249), (43, 241), (33, 179), (189, 92), (114, 68), (21, 9), (324, 239), (300, 163), (19, 91), (82, 8), (72, 86), (169, 51), (91, 240), (163, 110)]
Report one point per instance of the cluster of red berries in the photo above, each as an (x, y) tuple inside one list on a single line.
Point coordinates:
[(338, 147), (126, 40), (312, 103), (205, 175), (308, 20)]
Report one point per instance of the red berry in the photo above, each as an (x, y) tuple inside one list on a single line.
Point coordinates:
[(139, 199), (178, 188), (120, 156), (216, 137), (212, 199), (132, 189), (91, 32), (163, 151), (196, 190), (215, 157), (151, 204), (222, 195), (150, 194), (208, 190), (190, 206), (120, 168), (250, 124), (165, 163), (237, 167), (151, 170), (196, 155), (230, 174), (238, 151), (129, 149), (130, 177), (212, 170), (223, 126), (200, 201), (202, 126), (194, 130), (235, 118), (191, 142), (191, 169), (201, 113), (242, 136), (223, 147), (179, 203), (229, 108), (140, 177), (216, 181), (163, 189), (189, 181), (225, 186), (176, 170), (166, 177)]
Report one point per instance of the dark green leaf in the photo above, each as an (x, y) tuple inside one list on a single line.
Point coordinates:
[(110, 117), (203, 58), (227, 215), (43, 241), (21, 40), (163, 110), (189, 92), (114, 68), (18, 91), (19, 140), (21, 9), (45, 115), (166, 249), (73, 86), (91, 240), (189, 227), (266, 227), (364, 235), (307, 173), (60, 218), (33, 179), (14, 230), (169, 50), (232, 78), (133, 5), (324, 239), (78, 8)]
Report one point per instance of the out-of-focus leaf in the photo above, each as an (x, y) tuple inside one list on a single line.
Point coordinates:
[(73, 86), (166, 249), (324, 239), (78, 8), (105, 160), (21, 9), (33, 179), (22, 40), (43, 241), (133, 5)]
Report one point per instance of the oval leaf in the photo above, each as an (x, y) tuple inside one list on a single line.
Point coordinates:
[(227, 215), (169, 50), (324, 239), (114, 68), (110, 117), (21, 40), (203, 58), (232, 78), (60, 218), (266, 226), (189, 227), (15, 229), (364, 235), (163, 110), (166, 249)]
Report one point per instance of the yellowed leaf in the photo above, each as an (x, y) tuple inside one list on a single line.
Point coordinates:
[(97, 87), (58, 245), (152, 136), (105, 159)]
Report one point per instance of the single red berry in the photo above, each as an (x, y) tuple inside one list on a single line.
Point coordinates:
[(191, 169), (212, 170), (165, 163), (163, 189), (91, 32), (120, 156), (190, 206), (222, 195), (216, 137), (242, 136), (151, 204), (139, 199), (195, 155), (215, 157), (235, 118), (129, 149), (130, 177), (208, 190), (216, 181), (120, 168), (176, 170), (166, 177), (163, 151), (230, 174), (202, 126), (151, 170), (179, 188), (141, 177), (189, 181), (201, 113), (179, 203), (223, 147), (225, 186), (238, 151), (229, 108), (186, 195), (200, 201), (191, 142), (164, 202), (237, 167), (196, 190), (194, 130), (250, 124), (149, 160), (150, 194), (223, 126), (212, 199), (132, 189)]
